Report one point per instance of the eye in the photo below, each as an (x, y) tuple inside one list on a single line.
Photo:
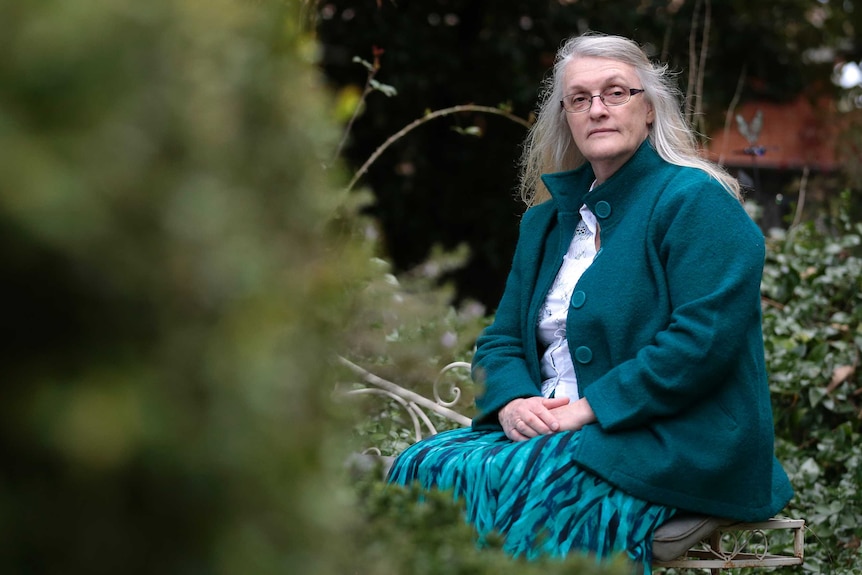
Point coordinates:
[(614, 91), (576, 99)]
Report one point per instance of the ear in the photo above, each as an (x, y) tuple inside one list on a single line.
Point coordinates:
[(650, 116)]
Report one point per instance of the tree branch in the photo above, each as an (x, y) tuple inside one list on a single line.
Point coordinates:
[(692, 62), (427, 118), (701, 68), (800, 200), (372, 71), (728, 118)]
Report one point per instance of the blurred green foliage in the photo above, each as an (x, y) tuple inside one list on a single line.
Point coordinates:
[(177, 268), (813, 329), (407, 330)]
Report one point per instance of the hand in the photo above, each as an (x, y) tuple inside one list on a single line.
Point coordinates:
[(529, 417), (574, 416)]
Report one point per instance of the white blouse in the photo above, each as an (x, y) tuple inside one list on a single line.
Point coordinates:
[(558, 371)]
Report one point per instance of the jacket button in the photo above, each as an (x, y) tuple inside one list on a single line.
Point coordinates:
[(578, 299), (603, 209), (584, 354)]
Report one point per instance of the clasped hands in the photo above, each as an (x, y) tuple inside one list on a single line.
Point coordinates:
[(530, 417)]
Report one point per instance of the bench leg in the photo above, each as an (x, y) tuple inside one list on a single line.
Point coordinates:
[(715, 543)]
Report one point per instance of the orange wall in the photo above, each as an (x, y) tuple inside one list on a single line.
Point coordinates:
[(794, 135)]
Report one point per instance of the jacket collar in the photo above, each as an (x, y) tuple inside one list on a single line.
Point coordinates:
[(569, 189)]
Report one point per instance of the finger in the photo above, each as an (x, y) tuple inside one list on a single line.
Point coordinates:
[(511, 432), (555, 402), (537, 423), (548, 418), (528, 425), (516, 435)]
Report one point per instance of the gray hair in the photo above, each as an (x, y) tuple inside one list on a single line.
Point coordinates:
[(549, 146)]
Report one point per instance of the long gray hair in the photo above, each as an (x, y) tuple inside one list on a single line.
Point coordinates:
[(549, 146)]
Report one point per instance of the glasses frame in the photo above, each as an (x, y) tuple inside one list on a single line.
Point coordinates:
[(631, 91)]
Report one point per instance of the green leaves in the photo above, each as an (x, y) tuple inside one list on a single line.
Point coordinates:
[(812, 287), (385, 89)]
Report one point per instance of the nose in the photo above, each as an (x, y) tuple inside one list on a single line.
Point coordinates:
[(601, 109)]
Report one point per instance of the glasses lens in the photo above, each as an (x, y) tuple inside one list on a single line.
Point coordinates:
[(615, 95), (577, 102), (610, 96)]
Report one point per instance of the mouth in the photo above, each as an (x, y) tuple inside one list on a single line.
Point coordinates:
[(600, 131)]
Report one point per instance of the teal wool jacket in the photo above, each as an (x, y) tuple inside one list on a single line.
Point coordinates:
[(665, 334)]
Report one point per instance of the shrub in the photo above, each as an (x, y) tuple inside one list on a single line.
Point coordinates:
[(175, 276), (812, 289)]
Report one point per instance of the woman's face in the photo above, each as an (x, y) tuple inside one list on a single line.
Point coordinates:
[(607, 136)]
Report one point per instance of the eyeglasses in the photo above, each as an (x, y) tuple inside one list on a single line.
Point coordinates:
[(610, 96)]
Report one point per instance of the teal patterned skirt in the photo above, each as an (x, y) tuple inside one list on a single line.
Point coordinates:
[(533, 494)]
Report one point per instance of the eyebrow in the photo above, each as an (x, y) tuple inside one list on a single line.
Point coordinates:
[(616, 79)]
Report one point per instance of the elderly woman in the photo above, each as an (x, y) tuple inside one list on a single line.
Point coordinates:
[(624, 371)]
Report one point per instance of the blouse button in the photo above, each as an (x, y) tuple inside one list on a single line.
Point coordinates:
[(603, 209), (578, 299), (584, 354)]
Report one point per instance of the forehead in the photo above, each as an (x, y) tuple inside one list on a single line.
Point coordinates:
[(593, 73)]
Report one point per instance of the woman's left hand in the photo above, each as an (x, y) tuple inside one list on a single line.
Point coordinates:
[(574, 415)]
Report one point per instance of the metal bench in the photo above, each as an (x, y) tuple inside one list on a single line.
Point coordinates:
[(684, 542)]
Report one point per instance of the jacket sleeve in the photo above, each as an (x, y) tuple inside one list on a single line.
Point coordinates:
[(711, 255), (500, 364)]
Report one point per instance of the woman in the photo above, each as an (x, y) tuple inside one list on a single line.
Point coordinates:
[(624, 371)]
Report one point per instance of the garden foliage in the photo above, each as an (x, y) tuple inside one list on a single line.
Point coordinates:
[(812, 287), (177, 270)]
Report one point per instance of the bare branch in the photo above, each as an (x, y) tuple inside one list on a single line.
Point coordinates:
[(701, 69), (369, 87), (800, 201), (729, 116), (692, 61), (427, 118)]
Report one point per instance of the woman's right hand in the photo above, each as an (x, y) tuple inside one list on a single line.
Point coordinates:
[(529, 417)]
